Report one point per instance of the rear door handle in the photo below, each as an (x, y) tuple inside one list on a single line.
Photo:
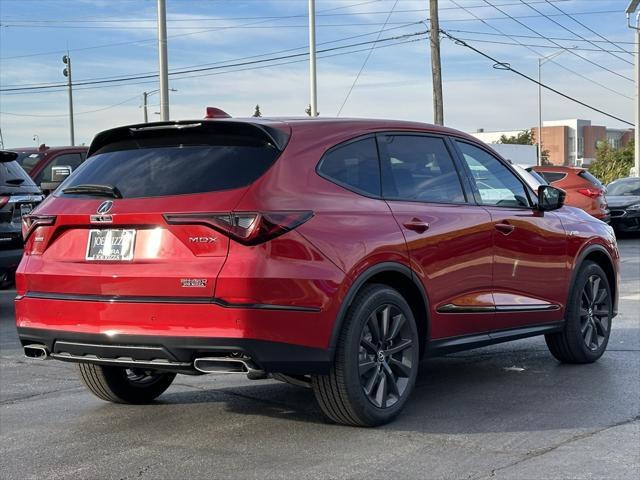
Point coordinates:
[(416, 225), (505, 228)]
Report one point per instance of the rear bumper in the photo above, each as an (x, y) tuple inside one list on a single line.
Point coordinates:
[(284, 340), (175, 353)]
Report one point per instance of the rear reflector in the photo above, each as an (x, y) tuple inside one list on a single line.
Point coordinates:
[(248, 228), (591, 192)]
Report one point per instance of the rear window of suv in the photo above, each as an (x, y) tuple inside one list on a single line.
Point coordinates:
[(12, 174), (192, 164), (587, 176)]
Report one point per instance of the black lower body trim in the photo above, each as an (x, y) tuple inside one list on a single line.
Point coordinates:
[(155, 299), (466, 342), (270, 356)]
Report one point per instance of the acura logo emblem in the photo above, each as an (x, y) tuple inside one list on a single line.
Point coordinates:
[(105, 207)]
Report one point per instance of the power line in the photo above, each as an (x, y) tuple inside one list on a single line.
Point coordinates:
[(305, 47), (536, 51), (549, 38), (150, 40), (364, 64), (193, 70), (574, 33), (412, 38), (75, 113), (552, 41), (506, 66), (616, 44), (270, 17)]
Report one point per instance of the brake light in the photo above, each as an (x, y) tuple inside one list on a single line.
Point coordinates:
[(3, 201), (591, 192), (31, 222), (248, 228)]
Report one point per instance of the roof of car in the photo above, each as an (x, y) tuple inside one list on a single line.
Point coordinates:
[(557, 168), (49, 149)]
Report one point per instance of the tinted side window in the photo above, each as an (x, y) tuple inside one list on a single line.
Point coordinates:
[(71, 159), (354, 166), (496, 184), (420, 168), (552, 176)]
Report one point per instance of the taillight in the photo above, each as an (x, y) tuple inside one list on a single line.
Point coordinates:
[(248, 228), (591, 192), (3, 201), (31, 222)]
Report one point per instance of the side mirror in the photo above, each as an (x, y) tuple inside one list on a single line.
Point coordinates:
[(60, 172), (550, 198)]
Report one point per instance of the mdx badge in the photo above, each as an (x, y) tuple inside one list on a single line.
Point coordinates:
[(203, 239)]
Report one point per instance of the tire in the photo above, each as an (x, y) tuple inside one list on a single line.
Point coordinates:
[(588, 320), (122, 385), (371, 356)]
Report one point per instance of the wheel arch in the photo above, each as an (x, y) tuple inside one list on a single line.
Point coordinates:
[(400, 278), (599, 255)]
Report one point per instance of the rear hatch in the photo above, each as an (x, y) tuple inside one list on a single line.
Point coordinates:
[(18, 196), (132, 221)]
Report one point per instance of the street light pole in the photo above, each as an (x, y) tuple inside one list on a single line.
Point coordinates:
[(542, 61), (633, 6), (313, 86), (162, 60), (67, 73), (144, 106)]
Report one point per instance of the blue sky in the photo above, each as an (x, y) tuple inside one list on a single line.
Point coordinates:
[(116, 38)]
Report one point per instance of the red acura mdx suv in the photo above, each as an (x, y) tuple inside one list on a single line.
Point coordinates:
[(334, 253)]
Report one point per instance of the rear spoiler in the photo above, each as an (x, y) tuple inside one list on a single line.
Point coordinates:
[(276, 136)]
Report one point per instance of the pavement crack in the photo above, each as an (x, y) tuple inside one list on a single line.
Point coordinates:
[(543, 451)]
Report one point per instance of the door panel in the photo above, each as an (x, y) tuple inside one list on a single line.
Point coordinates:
[(449, 241), (530, 267), (530, 264), (453, 261)]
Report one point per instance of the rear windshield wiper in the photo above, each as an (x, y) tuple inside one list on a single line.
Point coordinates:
[(94, 189), (15, 181)]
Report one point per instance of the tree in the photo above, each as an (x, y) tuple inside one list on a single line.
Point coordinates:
[(525, 137), (610, 163), (257, 112)]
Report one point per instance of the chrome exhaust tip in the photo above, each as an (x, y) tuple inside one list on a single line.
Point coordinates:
[(36, 351), (225, 365)]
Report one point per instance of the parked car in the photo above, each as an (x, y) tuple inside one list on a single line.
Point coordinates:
[(40, 163), (18, 196), (333, 253), (623, 196), (583, 189)]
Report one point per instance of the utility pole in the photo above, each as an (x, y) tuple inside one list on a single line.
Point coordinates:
[(436, 70), (313, 86), (67, 73), (162, 60), (630, 10)]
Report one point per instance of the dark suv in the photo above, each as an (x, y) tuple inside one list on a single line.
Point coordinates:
[(18, 196), (334, 253)]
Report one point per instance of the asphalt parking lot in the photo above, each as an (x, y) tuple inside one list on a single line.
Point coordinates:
[(508, 411)]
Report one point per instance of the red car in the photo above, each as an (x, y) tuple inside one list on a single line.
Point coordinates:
[(334, 253), (583, 189), (39, 162)]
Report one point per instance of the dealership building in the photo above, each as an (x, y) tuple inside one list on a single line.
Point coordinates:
[(569, 142)]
